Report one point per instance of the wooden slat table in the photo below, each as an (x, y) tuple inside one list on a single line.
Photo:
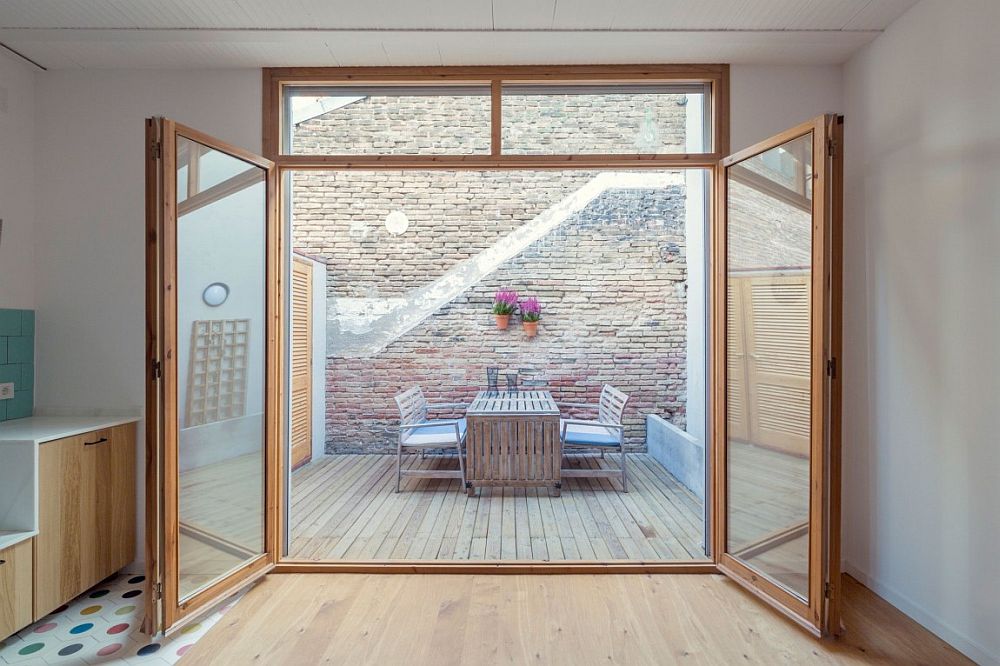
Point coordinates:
[(513, 440)]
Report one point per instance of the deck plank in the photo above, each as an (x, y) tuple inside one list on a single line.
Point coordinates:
[(344, 508)]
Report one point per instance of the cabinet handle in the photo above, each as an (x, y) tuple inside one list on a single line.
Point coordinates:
[(100, 441), (2, 562)]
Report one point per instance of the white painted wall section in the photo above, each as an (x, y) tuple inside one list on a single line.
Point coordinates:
[(17, 171), (922, 320)]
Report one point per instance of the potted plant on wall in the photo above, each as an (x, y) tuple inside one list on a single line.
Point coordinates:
[(504, 304), (531, 312)]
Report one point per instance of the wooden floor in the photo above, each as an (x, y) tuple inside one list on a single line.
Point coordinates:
[(570, 619), (344, 507)]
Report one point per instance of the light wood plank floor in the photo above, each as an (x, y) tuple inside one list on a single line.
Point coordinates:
[(344, 507), (574, 620)]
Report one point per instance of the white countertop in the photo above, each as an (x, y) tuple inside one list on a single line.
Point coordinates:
[(39, 429), (19, 444)]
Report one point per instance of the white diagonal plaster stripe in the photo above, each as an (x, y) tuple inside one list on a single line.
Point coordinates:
[(363, 327)]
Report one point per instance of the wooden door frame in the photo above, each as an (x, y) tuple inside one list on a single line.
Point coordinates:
[(715, 75), (821, 613), (166, 612)]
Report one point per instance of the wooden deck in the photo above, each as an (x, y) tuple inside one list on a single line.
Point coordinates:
[(343, 508)]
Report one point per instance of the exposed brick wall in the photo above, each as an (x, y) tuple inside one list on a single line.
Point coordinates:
[(612, 279), (612, 282), (339, 216), (460, 125)]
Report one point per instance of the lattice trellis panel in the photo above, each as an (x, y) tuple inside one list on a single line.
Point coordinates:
[(217, 377)]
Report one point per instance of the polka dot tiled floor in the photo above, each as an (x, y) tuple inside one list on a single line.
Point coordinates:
[(101, 627)]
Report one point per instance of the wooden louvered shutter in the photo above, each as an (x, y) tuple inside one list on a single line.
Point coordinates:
[(301, 365), (777, 343), (738, 426)]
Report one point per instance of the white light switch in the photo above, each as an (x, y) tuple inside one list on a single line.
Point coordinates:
[(7, 391)]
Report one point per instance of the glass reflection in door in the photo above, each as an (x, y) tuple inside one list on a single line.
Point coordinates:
[(768, 362), (221, 301)]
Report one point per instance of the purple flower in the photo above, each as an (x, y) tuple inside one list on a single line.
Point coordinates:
[(531, 309), (504, 302)]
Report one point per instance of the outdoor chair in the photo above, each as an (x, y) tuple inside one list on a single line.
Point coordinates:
[(604, 433), (419, 433)]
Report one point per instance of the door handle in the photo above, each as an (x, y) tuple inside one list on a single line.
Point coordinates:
[(100, 441)]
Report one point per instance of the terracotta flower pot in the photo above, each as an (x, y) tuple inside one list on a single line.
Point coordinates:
[(503, 321), (530, 327)]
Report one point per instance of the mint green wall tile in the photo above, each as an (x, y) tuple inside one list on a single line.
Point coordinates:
[(27, 382), (28, 322), (3, 349), (10, 322), (19, 406), (3, 410), (10, 372), (20, 349)]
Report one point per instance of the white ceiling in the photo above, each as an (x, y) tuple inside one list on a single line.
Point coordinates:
[(61, 34)]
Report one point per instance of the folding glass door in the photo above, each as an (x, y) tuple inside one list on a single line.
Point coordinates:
[(777, 442), (213, 348)]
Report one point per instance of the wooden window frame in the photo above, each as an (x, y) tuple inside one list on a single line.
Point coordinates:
[(275, 79), (715, 76)]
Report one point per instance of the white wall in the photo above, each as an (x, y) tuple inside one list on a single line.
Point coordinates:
[(765, 100), (922, 320), (90, 225), (17, 166)]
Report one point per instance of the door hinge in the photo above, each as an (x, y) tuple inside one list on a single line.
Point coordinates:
[(827, 590), (157, 370), (831, 368), (158, 591), (831, 148), (157, 148)]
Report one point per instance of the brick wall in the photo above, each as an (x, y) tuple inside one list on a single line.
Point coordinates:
[(611, 278), (460, 125)]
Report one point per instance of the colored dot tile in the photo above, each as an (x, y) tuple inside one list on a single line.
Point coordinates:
[(90, 610), (70, 649), (124, 610), (184, 648), (131, 593), (82, 628), (118, 628), (31, 648), (109, 649), (136, 579), (147, 649), (42, 628), (61, 609), (98, 594)]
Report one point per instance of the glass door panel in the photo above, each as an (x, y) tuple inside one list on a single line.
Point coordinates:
[(774, 471), (215, 271), (221, 301), (768, 273)]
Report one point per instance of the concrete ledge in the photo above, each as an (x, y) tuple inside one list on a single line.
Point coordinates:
[(680, 453)]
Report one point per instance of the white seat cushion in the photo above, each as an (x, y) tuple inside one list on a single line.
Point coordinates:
[(438, 435), (588, 435)]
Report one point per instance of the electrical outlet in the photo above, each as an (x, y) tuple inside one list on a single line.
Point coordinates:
[(7, 391)]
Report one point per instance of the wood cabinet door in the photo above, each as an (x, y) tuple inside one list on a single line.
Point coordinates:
[(114, 480), (86, 512), (65, 520), (15, 588)]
